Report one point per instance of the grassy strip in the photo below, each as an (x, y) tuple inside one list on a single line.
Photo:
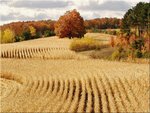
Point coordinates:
[(85, 44)]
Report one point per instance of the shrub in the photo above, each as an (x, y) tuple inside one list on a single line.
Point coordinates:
[(8, 36), (120, 53), (38, 35), (146, 55), (26, 35), (137, 44), (147, 44), (138, 54), (114, 32), (86, 44), (95, 30), (116, 55), (135, 47), (48, 33), (112, 41), (18, 38)]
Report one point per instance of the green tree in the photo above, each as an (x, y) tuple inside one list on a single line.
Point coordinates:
[(137, 18), (26, 35), (48, 33), (38, 34)]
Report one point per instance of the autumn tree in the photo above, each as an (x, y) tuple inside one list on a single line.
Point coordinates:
[(7, 36), (71, 24), (1, 35), (32, 31)]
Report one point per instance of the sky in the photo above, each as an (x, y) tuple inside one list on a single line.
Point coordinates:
[(26, 10)]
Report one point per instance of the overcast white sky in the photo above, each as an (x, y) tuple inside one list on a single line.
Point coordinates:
[(23, 10)]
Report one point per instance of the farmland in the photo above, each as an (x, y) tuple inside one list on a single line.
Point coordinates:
[(43, 75), (45, 48)]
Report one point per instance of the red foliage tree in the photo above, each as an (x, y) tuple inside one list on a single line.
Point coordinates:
[(71, 24)]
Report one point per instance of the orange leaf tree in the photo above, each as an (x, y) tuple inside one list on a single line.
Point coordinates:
[(71, 24)]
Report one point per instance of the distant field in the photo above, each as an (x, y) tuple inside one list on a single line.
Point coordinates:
[(43, 75), (100, 36)]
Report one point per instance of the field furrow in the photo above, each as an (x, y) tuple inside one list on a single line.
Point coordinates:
[(97, 104), (74, 106), (63, 98), (126, 101), (68, 101), (83, 97)]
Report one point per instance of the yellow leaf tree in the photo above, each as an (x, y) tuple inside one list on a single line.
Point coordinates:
[(8, 36), (32, 31)]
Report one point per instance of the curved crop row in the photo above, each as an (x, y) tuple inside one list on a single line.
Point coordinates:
[(92, 91), (43, 53)]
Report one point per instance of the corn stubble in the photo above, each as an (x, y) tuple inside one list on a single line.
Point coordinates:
[(31, 84)]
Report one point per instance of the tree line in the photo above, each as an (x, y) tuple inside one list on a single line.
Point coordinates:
[(103, 23), (71, 24), (19, 31)]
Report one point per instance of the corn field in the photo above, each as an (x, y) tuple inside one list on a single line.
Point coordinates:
[(46, 49), (33, 83)]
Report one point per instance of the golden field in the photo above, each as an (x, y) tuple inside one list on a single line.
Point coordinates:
[(43, 75)]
